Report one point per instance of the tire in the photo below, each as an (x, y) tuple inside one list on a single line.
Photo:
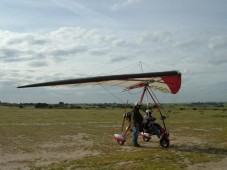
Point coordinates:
[(146, 139), (164, 142), (120, 142)]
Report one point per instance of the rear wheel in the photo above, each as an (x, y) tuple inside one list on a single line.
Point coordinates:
[(164, 142)]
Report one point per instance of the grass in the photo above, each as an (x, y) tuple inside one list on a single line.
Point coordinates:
[(53, 136)]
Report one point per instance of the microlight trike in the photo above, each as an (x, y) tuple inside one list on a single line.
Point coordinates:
[(166, 81)]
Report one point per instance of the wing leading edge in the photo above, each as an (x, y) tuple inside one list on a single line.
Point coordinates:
[(168, 81)]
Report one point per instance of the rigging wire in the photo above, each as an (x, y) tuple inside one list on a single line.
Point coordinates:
[(111, 93), (175, 98), (135, 96), (141, 66), (152, 68), (155, 96), (134, 93), (134, 64), (147, 99), (120, 69)]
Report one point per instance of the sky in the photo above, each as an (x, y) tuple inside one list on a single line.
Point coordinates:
[(47, 40)]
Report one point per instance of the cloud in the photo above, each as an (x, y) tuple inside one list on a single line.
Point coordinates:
[(15, 55), (218, 42), (68, 33), (192, 43), (154, 37), (124, 3), (66, 51), (70, 52), (107, 39), (117, 59), (8, 53), (60, 53), (27, 39), (21, 47), (119, 43), (15, 39), (220, 60), (38, 64), (98, 51)]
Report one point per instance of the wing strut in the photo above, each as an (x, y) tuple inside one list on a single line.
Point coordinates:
[(146, 89)]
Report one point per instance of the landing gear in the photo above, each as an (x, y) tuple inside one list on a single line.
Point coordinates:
[(164, 141)]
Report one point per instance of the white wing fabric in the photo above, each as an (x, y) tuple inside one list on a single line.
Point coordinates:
[(167, 81)]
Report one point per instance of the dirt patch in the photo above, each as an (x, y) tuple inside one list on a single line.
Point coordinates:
[(197, 145), (68, 148), (221, 165), (25, 160)]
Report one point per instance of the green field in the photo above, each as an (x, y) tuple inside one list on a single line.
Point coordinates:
[(83, 139)]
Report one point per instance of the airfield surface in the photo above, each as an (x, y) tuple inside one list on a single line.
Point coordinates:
[(83, 139)]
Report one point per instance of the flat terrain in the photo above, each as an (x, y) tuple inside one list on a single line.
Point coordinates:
[(83, 139)]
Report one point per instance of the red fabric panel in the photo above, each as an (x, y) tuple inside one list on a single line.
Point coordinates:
[(173, 82)]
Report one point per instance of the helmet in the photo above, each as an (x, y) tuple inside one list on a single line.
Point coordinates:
[(138, 103), (148, 112)]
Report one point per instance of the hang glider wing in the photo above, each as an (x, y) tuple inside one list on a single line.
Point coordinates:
[(168, 81)]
